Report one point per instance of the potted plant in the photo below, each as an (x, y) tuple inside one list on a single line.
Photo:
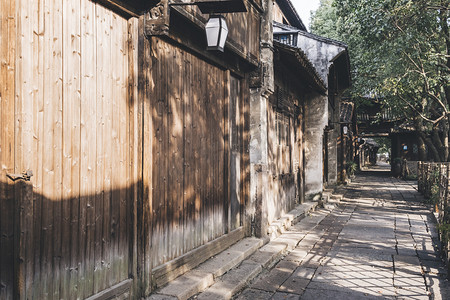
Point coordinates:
[(351, 168), (396, 167)]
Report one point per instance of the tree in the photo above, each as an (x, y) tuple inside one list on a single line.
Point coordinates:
[(400, 52), (324, 20)]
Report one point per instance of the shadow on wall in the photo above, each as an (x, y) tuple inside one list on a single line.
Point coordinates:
[(77, 246)]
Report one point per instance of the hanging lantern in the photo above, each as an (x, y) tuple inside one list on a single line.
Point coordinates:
[(345, 129), (216, 32)]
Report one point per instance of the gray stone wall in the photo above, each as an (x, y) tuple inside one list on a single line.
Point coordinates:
[(319, 114)]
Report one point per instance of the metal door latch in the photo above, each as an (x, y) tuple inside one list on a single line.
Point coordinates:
[(26, 175)]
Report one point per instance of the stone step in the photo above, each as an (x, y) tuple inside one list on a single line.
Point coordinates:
[(263, 260), (283, 224), (205, 275), (232, 282)]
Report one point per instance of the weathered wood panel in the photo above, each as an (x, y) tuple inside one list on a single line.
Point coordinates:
[(7, 203), (73, 130), (285, 147), (188, 197)]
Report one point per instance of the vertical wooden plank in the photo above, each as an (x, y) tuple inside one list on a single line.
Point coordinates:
[(177, 130), (182, 164), (30, 88), (134, 167), (226, 136), (147, 145), (217, 134), (170, 182), (57, 144), (88, 145), (38, 102), (245, 120), (107, 103), (7, 89), (26, 110), (73, 138), (188, 176), (165, 232), (206, 161), (71, 149), (195, 106), (156, 146), (202, 74), (51, 94), (209, 168), (100, 269), (19, 288), (121, 34), (202, 148), (115, 152), (218, 174)]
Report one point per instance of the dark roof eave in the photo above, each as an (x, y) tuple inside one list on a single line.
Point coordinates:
[(304, 63), (292, 15)]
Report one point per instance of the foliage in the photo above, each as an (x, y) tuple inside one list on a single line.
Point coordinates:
[(411, 177), (384, 143), (352, 167), (435, 193), (324, 20), (434, 181), (400, 54)]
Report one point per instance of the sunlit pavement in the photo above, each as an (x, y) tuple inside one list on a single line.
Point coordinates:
[(379, 243)]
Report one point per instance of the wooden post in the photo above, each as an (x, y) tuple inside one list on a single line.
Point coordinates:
[(146, 78), (227, 153)]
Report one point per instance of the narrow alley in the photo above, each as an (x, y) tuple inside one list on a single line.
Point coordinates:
[(224, 149), (379, 242)]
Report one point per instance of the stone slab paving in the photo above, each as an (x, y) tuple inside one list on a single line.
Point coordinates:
[(379, 243)]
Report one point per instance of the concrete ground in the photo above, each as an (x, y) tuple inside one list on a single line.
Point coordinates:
[(379, 243)]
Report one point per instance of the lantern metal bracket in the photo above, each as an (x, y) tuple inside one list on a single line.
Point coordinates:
[(26, 176)]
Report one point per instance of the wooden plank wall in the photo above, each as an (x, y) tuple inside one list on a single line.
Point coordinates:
[(189, 188), (284, 151), (73, 126), (7, 207)]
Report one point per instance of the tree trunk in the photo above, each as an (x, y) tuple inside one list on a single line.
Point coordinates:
[(422, 149), (431, 148), (438, 143), (445, 139)]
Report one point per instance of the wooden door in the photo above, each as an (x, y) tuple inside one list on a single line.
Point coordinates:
[(189, 186), (325, 157), (72, 116), (194, 105)]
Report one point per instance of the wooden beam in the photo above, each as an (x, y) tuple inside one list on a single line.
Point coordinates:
[(374, 135), (177, 267), (114, 291)]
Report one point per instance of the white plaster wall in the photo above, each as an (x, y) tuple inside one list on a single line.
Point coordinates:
[(315, 121), (321, 53)]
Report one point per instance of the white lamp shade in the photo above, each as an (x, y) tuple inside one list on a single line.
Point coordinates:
[(345, 130), (216, 32)]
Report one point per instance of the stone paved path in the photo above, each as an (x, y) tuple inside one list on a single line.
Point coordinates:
[(379, 243)]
